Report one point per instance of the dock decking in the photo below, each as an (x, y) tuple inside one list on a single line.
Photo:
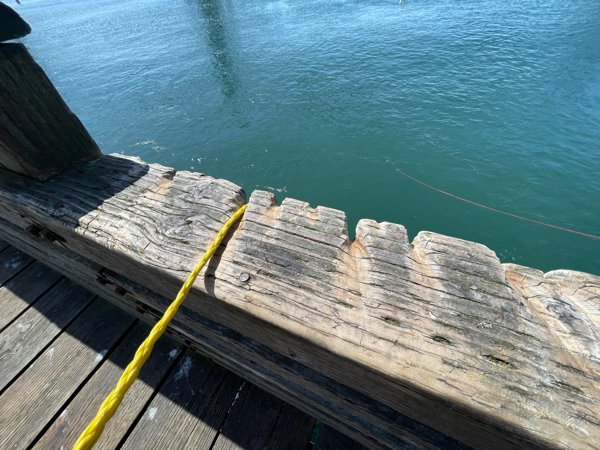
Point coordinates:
[(62, 350)]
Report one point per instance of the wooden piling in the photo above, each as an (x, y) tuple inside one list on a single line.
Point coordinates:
[(39, 135)]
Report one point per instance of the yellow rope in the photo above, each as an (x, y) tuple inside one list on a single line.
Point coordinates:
[(92, 433)]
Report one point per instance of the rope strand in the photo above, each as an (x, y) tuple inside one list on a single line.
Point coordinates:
[(489, 208), (92, 433)]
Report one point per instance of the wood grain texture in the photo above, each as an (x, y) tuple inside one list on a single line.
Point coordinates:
[(295, 383), (24, 290), (26, 337), (293, 429), (40, 392), (192, 404), (429, 343), (75, 416), (39, 135)]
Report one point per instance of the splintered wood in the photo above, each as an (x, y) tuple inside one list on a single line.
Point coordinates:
[(429, 343)]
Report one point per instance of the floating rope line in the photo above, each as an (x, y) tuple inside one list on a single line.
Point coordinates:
[(489, 208), (92, 433)]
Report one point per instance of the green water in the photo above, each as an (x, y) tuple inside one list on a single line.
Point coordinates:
[(495, 101)]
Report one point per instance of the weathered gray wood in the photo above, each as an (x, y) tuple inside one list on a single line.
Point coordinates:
[(3, 246), (65, 430), (191, 405), (430, 343), (12, 261), (259, 421), (41, 391), (24, 290), (26, 337), (307, 390), (39, 135), (12, 26), (243, 429)]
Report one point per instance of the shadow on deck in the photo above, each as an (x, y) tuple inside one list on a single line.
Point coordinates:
[(62, 350)]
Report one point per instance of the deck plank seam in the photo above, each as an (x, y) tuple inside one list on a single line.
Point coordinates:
[(85, 381), (242, 387), (156, 390), (28, 307), (215, 394), (18, 272), (52, 341)]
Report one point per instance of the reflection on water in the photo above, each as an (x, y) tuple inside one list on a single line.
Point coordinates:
[(494, 101), (214, 14)]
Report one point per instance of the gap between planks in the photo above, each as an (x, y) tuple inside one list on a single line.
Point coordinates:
[(230, 413)]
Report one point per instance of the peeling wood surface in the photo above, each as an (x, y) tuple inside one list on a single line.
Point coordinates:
[(435, 342), (75, 348)]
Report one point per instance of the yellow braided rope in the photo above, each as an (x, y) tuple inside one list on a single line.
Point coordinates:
[(92, 433)]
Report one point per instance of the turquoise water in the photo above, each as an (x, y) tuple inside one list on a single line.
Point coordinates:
[(495, 101)]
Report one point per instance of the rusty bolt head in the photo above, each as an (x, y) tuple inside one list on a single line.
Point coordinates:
[(245, 277)]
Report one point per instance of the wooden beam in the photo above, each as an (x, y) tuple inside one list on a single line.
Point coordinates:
[(429, 343), (39, 135)]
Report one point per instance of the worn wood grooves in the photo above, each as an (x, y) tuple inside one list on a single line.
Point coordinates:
[(39, 135), (429, 343), (63, 354)]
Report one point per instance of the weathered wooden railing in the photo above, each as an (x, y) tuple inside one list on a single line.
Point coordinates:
[(429, 343)]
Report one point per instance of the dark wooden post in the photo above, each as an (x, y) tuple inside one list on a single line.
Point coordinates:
[(12, 26), (39, 135)]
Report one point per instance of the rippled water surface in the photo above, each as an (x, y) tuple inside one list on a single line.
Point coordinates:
[(330, 101)]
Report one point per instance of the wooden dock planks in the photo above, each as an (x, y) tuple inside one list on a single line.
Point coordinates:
[(60, 357), (31, 402), (263, 429), (29, 334), (23, 290), (192, 405), (82, 408)]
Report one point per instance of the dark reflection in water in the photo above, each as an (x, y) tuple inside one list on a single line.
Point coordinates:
[(213, 13)]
